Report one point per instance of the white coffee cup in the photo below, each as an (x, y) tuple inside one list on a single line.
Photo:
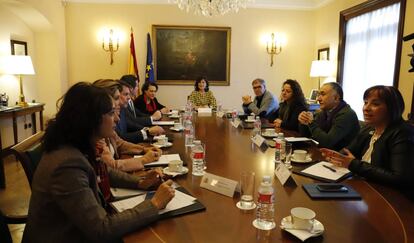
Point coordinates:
[(302, 218), (250, 118), (177, 125), (174, 113), (300, 154), (162, 140), (175, 166), (270, 131)]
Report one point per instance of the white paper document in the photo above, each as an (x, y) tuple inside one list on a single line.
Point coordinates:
[(320, 171), (180, 200), (299, 139), (122, 192), (164, 159), (163, 123), (204, 110)]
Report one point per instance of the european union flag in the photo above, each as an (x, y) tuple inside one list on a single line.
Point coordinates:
[(149, 69)]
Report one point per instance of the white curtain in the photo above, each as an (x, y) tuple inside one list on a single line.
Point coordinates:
[(370, 53)]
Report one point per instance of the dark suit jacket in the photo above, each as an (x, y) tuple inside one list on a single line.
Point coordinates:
[(136, 122), (291, 120), (345, 127), (140, 105), (392, 159), (65, 205), (122, 129)]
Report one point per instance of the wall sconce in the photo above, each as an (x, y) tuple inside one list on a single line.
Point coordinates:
[(273, 47), (108, 45)]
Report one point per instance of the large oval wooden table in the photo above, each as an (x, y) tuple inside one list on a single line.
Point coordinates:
[(383, 214)]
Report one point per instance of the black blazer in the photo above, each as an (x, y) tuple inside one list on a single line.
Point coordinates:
[(392, 158), (291, 122), (140, 105)]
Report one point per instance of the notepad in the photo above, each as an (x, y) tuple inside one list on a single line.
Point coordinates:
[(118, 193), (319, 172), (164, 159), (313, 192), (180, 200)]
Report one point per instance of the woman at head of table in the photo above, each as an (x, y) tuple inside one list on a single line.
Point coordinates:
[(383, 151), (67, 204), (147, 103), (293, 103), (202, 97)]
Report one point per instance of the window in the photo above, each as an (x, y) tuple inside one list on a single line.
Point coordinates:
[(370, 48)]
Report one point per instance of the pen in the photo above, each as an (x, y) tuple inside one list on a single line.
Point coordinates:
[(329, 168)]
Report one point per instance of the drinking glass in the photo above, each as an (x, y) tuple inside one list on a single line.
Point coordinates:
[(246, 191), (288, 155)]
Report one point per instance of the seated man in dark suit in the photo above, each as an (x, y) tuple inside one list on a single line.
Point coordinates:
[(133, 115), (336, 125), (132, 132), (264, 104)]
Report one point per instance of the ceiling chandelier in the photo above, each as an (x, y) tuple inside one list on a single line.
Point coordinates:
[(211, 7)]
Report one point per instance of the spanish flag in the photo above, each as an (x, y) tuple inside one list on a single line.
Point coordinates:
[(132, 59)]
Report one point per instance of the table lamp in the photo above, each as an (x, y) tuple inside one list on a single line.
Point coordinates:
[(20, 65), (321, 68)]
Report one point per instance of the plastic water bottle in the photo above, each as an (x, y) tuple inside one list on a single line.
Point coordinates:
[(257, 126), (278, 150), (198, 158), (281, 137), (265, 210), (188, 133)]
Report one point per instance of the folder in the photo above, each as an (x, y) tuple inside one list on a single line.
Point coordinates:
[(320, 172), (314, 193)]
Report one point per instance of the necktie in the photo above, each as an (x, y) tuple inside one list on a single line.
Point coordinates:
[(131, 107)]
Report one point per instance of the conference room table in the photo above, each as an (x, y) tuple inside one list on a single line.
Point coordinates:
[(382, 215)]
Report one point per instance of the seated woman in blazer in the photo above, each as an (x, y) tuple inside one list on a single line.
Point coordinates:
[(67, 202), (293, 103), (384, 150), (147, 103), (202, 97)]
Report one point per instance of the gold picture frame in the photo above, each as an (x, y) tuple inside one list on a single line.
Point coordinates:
[(183, 53)]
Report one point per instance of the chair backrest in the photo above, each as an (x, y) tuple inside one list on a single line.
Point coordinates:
[(29, 153)]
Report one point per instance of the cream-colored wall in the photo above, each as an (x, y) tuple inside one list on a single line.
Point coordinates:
[(87, 61), (327, 34)]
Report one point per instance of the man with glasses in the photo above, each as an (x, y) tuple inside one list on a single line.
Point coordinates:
[(336, 125), (264, 104)]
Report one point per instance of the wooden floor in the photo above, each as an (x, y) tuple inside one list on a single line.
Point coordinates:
[(15, 198)]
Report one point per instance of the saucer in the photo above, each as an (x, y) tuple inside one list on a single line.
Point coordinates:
[(183, 171), (172, 116), (238, 205), (318, 229), (308, 160), (249, 120), (177, 129), (168, 144), (269, 135)]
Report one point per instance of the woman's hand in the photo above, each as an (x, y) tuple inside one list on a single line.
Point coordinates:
[(156, 116), (164, 110), (163, 195), (277, 123), (150, 156), (337, 158), (150, 179), (153, 148)]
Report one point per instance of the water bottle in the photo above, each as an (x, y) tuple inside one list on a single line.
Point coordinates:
[(188, 133), (198, 158), (265, 210), (257, 126), (278, 150)]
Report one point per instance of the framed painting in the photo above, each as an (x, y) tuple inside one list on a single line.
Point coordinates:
[(18, 48), (183, 53), (323, 54)]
